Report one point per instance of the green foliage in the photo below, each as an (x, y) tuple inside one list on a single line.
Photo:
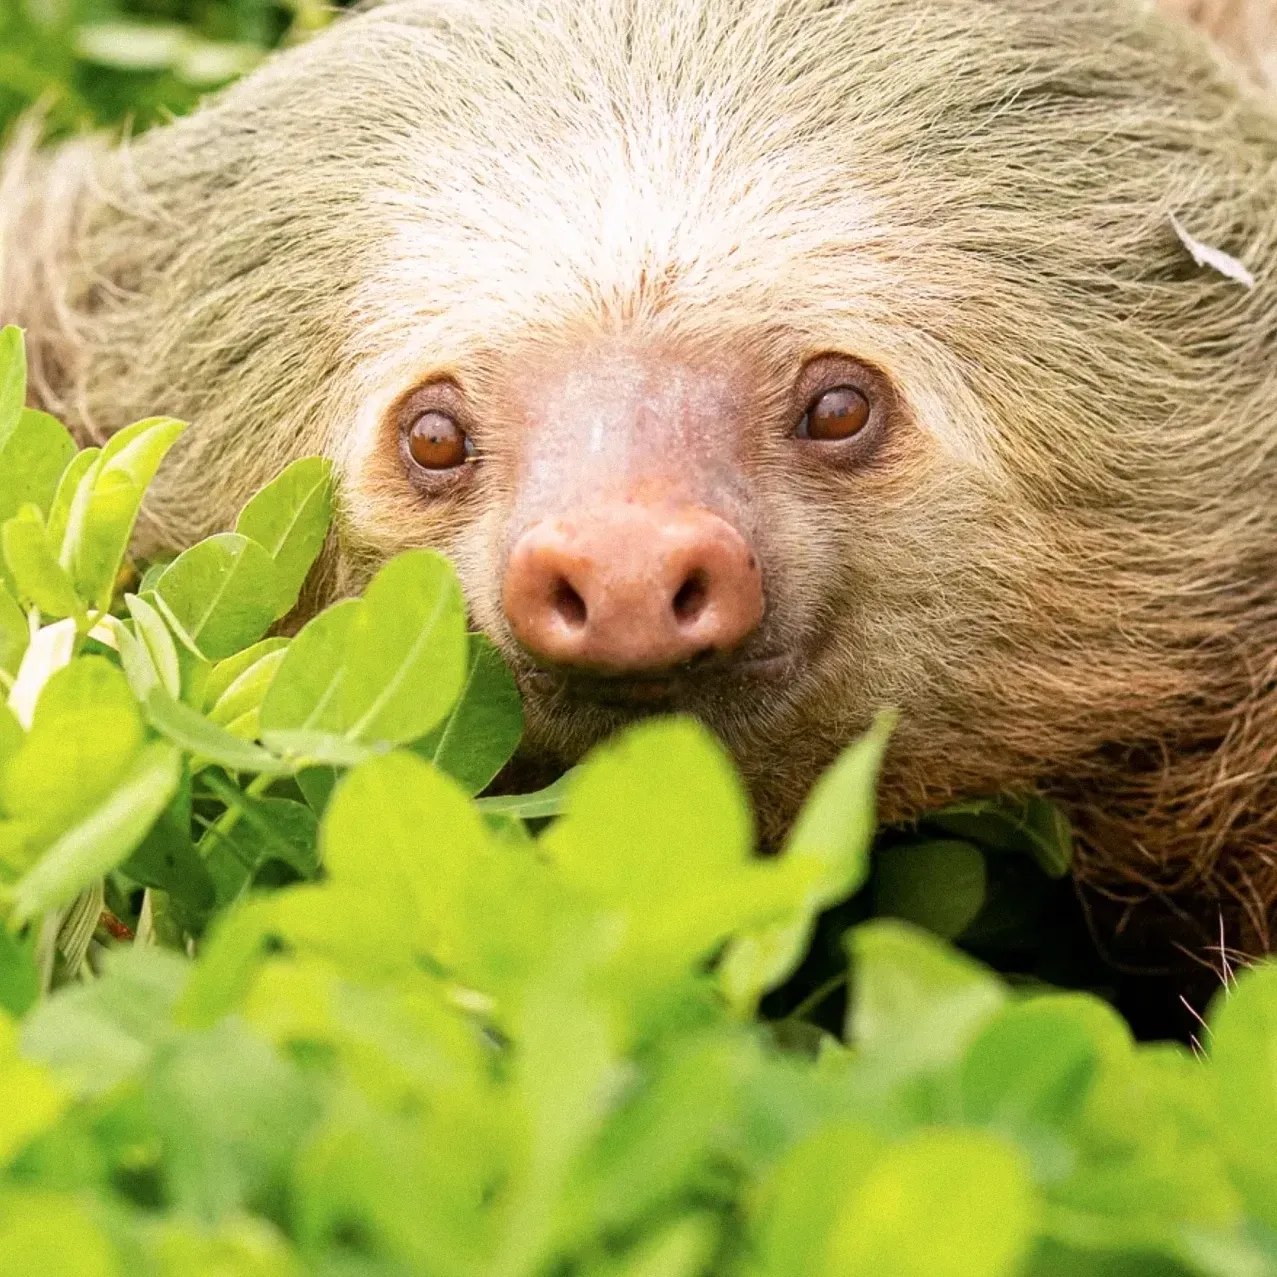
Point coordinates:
[(110, 62), (280, 995)]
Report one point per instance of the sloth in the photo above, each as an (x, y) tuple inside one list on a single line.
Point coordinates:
[(774, 361)]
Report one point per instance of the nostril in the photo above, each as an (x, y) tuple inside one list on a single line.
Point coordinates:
[(569, 605), (691, 598)]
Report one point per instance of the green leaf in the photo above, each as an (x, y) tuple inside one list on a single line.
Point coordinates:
[(289, 519), (167, 860), (658, 851), (220, 595), (303, 693), (539, 805), (34, 567), (64, 495), (916, 1003), (159, 643), (19, 975), (96, 1035), (403, 833), (197, 735), (85, 734), (11, 735), (831, 836), (683, 1249), (33, 1100), (13, 377), (34, 451), (230, 1114), (238, 708), (106, 503), (15, 633), (55, 1235), (131, 46), (800, 1200), (937, 884), (135, 659), (942, 1204), (303, 749), (1032, 1068), (1025, 824), (227, 672), (106, 836), (268, 829), (385, 668), (482, 731), (1243, 1049)]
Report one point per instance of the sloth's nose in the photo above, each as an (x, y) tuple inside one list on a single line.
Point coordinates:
[(632, 588)]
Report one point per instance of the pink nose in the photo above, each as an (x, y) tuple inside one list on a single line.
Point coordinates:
[(629, 588)]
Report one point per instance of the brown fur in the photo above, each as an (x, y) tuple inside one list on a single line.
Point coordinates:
[(1062, 571)]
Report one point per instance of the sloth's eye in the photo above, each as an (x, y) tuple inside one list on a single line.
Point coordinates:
[(837, 414), (436, 442)]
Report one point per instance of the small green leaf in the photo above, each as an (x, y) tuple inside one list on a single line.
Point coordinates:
[(657, 851), (303, 693), (167, 860), (384, 668), (159, 643), (226, 672), (15, 633), (1027, 824), (404, 834), (13, 377), (19, 975), (238, 708), (34, 567), (94, 1036), (937, 884), (34, 451), (266, 829), (831, 837), (289, 519), (482, 731), (197, 735), (1243, 1048), (135, 660), (106, 836), (802, 1196), (220, 595), (1030, 1071), (317, 784), (916, 1005), (106, 503), (942, 1204), (539, 805), (304, 749), (64, 495), (84, 736)]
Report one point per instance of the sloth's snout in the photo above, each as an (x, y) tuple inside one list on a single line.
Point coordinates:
[(628, 588)]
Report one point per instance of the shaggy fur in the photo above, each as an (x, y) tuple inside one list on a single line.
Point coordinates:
[(1062, 569)]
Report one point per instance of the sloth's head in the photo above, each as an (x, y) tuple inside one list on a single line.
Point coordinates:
[(776, 360)]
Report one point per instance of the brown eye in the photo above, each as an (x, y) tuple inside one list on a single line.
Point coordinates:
[(837, 414), (436, 442)]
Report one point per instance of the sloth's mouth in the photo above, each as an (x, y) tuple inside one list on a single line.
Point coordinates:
[(676, 688)]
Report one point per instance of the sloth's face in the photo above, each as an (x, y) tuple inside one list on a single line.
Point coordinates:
[(750, 532)]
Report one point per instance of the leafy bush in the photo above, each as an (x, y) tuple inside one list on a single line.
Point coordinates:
[(108, 62), (281, 995)]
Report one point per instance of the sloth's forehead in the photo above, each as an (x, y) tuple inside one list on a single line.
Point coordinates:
[(522, 241)]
